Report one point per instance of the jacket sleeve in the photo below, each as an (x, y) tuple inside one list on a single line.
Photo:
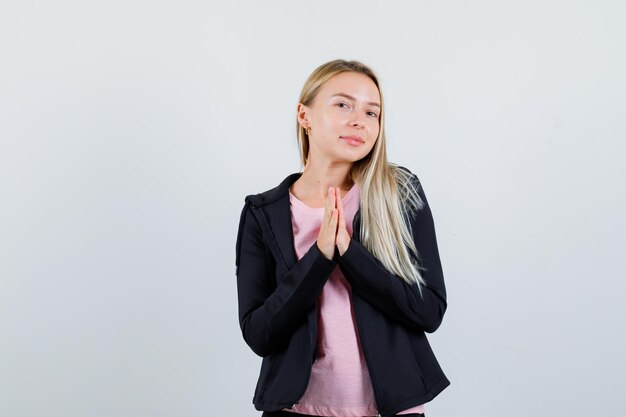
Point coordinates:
[(391, 294), (269, 312)]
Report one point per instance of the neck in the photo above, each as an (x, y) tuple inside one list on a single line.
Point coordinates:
[(317, 178)]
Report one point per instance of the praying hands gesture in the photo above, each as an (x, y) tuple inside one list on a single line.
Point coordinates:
[(333, 231)]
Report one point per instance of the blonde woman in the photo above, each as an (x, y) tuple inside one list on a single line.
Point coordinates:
[(338, 273)]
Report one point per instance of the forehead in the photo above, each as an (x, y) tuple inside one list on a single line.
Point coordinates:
[(354, 84)]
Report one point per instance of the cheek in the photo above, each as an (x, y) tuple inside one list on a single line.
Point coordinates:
[(373, 144), (330, 120), (375, 130), (326, 121), (375, 133), (330, 125)]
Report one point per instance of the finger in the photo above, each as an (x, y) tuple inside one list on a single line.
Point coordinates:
[(333, 220), (342, 218), (329, 205), (339, 201), (334, 199)]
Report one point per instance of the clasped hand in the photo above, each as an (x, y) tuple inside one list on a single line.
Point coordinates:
[(333, 230)]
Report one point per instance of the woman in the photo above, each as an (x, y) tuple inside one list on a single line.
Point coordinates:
[(338, 271)]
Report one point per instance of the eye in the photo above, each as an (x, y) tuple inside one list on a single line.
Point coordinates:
[(340, 103), (373, 114)]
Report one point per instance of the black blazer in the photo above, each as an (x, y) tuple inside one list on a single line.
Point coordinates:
[(277, 296)]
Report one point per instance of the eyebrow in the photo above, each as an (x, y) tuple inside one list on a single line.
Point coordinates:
[(371, 103)]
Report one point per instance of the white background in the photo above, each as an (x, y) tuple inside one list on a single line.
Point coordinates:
[(131, 131)]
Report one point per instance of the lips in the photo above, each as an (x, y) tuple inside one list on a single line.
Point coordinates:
[(353, 140)]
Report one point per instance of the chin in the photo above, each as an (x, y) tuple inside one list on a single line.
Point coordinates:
[(352, 158)]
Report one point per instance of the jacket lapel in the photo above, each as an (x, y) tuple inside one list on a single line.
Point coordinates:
[(275, 207), (279, 216)]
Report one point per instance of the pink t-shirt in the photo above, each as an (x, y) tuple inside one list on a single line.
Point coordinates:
[(340, 384)]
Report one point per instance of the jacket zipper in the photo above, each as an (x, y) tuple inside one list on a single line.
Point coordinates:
[(363, 344)]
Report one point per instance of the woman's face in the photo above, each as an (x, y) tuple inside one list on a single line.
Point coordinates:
[(347, 105)]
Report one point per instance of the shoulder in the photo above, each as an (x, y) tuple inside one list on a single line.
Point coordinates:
[(409, 188), (405, 177), (273, 194)]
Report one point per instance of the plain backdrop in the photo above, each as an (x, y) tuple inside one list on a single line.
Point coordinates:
[(131, 132)]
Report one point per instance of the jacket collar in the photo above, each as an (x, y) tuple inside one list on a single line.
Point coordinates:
[(274, 213), (276, 193)]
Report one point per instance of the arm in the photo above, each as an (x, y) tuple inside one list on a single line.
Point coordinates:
[(391, 294), (270, 312)]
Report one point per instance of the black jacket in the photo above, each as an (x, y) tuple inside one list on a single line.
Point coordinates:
[(277, 296)]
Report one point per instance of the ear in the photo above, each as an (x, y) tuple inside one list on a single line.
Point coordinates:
[(303, 116)]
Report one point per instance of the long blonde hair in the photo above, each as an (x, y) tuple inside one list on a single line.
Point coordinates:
[(388, 193)]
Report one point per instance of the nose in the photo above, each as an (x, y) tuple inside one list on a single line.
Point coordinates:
[(356, 123)]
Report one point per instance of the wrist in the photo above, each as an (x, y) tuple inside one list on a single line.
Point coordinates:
[(343, 247)]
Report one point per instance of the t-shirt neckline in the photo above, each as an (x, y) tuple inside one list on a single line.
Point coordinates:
[(300, 203)]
